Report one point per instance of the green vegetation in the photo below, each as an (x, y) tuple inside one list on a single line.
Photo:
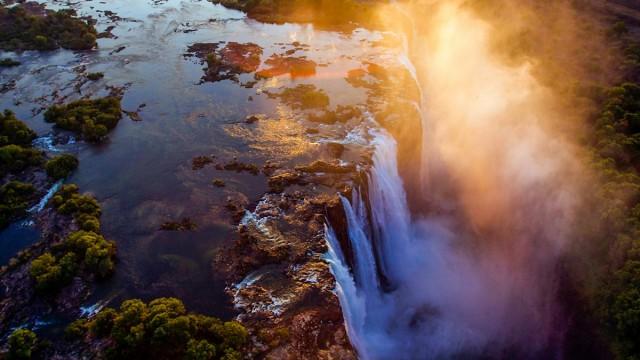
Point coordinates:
[(22, 344), (15, 158), (14, 200), (31, 27), (321, 12), (93, 119), (61, 166), (163, 329), (7, 62), (83, 251), (84, 208), (95, 76), (50, 273), (14, 131), (16, 154), (616, 236), (76, 329)]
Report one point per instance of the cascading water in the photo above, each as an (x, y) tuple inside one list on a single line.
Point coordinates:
[(406, 322), (476, 279)]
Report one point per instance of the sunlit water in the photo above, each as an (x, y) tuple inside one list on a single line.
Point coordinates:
[(142, 175)]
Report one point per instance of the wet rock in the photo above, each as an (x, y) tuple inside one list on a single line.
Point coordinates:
[(8, 86), (277, 183), (252, 119), (294, 66), (239, 166), (342, 114), (269, 168), (283, 287), (8, 62), (106, 34), (117, 50), (133, 115), (218, 183), (20, 304), (186, 224), (242, 58), (335, 167), (227, 63), (200, 162), (201, 50), (335, 149), (236, 205)]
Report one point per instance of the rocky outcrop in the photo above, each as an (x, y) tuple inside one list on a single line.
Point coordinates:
[(281, 283), (226, 63)]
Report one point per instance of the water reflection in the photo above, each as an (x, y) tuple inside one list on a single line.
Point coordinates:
[(142, 174)]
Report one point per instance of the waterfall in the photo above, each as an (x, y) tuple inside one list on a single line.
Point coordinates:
[(412, 320), (45, 199)]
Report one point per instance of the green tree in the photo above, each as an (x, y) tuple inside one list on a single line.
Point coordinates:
[(22, 344), (200, 350), (61, 166), (46, 272)]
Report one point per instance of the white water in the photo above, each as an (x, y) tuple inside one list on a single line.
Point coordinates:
[(442, 296), (45, 199)]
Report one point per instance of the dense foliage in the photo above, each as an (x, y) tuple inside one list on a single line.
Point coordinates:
[(91, 118), (15, 158), (16, 154), (321, 12), (22, 344), (14, 131), (31, 27), (616, 157), (14, 200), (163, 329), (84, 251), (61, 166)]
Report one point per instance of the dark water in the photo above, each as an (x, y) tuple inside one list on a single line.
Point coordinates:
[(143, 175)]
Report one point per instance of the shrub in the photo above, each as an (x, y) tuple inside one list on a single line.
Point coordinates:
[(164, 329), (94, 249), (95, 76), (14, 199), (61, 166), (102, 323), (22, 344), (69, 201), (23, 30), (47, 273), (200, 350), (14, 158), (14, 131), (91, 118), (99, 257), (76, 329)]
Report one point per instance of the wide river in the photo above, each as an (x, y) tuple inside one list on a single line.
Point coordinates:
[(142, 175)]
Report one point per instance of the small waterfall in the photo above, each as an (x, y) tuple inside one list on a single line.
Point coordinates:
[(45, 199)]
